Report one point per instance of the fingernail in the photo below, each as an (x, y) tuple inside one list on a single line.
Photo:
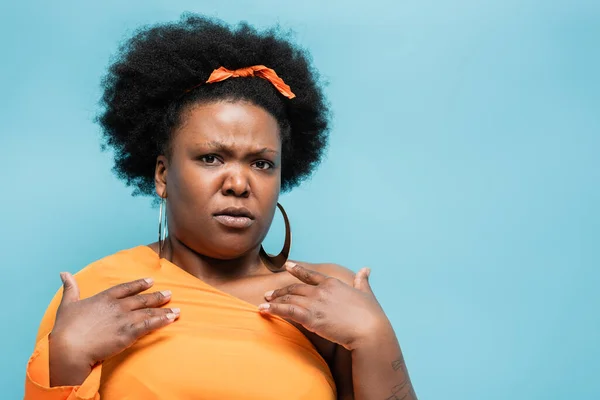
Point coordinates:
[(265, 306), (63, 277), (149, 281), (166, 293), (269, 294), (171, 316), (176, 311)]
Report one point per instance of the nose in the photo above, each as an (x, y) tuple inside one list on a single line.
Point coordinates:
[(236, 184)]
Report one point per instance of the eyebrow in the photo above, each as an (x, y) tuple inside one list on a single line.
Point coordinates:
[(222, 147)]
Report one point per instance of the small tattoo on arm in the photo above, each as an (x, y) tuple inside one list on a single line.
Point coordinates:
[(397, 364), (398, 388), (396, 397), (403, 390), (396, 392)]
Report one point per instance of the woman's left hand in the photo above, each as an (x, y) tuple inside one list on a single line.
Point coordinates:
[(343, 314)]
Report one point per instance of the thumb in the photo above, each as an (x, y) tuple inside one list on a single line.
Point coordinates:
[(70, 288), (361, 280)]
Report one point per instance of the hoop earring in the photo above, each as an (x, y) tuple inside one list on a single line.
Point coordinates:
[(162, 226), (276, 263)]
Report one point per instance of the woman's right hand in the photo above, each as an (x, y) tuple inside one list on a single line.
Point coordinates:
[(91, 330)]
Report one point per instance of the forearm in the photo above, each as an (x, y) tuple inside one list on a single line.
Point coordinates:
[(378, 368)]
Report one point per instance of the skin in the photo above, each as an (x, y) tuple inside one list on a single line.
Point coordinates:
[(229, 154)]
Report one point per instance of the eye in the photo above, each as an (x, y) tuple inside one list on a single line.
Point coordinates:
[(210, 159), (264, 165)]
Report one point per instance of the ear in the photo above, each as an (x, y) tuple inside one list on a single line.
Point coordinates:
[(160, 176)]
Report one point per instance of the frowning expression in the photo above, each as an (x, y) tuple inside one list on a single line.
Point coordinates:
[(222, 178)]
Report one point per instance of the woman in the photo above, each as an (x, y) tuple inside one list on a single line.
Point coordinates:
[(216, 121)]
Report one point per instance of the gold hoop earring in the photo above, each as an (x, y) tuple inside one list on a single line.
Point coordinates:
[(276, 263), (162, 226)]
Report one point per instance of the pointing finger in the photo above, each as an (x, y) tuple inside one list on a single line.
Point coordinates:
[(305, 275), (129, 288), (299, 289)]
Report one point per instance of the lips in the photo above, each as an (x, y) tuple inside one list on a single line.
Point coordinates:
[(236, 212), (234, 217)]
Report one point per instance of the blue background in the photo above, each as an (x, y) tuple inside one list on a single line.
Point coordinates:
[(463, 168)]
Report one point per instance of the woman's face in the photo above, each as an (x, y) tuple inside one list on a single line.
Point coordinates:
[(223, 178)]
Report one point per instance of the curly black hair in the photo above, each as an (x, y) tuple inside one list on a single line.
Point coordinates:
[(146, 92)]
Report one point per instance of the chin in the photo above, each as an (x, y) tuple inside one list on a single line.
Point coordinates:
[(221, 244), (228, 249)]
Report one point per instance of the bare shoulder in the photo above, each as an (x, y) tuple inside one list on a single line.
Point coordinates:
[(334, 270)]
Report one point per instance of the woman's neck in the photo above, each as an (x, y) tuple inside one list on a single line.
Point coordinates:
[(212, 270)]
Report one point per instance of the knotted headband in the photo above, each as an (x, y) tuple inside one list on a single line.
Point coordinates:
[(222, 73)]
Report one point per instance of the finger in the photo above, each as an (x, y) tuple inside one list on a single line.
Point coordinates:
[(361, 280), (70, 288), (147, 300), (291, 311), (129, 288), (299, 289), (305, 275), (301, 301), (139, 329), (358, 278), (146, 313)]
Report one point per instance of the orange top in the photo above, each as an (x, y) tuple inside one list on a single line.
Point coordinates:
[(220, 348)]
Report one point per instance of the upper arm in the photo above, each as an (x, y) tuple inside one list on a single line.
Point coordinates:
[(341, 369)]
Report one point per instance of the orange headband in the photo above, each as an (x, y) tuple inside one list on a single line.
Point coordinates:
[(260, 71)]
